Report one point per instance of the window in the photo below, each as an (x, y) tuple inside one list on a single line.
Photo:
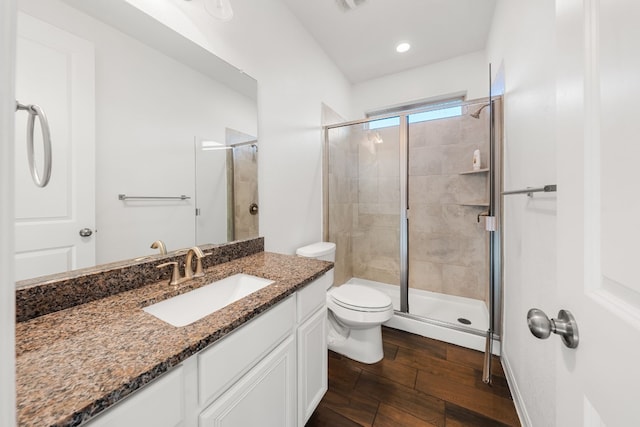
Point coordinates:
[(437, 111)]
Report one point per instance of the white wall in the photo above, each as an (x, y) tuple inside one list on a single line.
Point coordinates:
[(149, 109), (463, 75), (7, 290), (294, 77), (522, 39)]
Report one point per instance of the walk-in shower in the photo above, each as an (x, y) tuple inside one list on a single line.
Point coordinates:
[(411, 216)]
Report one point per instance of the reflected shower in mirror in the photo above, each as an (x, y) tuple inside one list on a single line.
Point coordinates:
[(124, 95), (226, 188)]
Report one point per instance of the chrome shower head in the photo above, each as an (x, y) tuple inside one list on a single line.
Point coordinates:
[(476, 115)]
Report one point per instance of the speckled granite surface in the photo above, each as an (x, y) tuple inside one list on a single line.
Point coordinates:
[(74, 363), (43, 295)]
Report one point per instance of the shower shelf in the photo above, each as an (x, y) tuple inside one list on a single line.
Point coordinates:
[(485, 170), (475, 203)]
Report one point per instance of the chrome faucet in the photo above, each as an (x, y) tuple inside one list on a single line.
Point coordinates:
[(159, 244), (176, 277)]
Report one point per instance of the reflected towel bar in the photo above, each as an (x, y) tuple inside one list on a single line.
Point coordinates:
[(529, 191), (125, 197)]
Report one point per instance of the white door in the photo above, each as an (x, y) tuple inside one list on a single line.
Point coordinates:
[(55, 70), (598, 384)]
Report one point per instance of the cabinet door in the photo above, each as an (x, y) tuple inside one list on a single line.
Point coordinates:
[(312, 364), (158, 404), (265, 396), (223, 364)]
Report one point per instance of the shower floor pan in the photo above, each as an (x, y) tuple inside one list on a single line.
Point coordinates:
[(440, 307)]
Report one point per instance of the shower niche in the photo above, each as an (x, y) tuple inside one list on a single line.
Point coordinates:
[(484, 201)]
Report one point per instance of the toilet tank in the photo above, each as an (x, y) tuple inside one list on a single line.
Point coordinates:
[(325, 251)]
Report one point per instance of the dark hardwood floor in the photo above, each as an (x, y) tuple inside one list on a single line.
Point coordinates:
[(420, 382)]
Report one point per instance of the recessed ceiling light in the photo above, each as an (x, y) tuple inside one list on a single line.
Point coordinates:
[(403, 47)]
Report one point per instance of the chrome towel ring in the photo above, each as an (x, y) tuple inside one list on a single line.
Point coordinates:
[(35, 111)]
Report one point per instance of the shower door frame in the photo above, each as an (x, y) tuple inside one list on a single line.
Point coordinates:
[(495, 210)]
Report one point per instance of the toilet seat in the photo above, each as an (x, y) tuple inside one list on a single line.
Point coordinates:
[(360, 298)]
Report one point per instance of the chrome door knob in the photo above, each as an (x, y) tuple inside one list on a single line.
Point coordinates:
[(86, 232), (565, 325)]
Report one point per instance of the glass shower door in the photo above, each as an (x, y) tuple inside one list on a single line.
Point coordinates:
[(448, 245), (362, 199)]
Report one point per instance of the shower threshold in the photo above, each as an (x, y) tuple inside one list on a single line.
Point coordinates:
[(436, 316)]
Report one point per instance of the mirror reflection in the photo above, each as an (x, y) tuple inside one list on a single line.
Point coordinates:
[(226, 187), (124, 113)]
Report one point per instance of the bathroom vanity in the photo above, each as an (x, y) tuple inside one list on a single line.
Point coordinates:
[(261, 360)]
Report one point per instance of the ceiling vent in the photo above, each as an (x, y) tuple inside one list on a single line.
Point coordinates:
[(347, 5)]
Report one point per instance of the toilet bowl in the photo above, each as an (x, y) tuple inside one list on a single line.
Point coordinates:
[(355, 313), (355, 316)]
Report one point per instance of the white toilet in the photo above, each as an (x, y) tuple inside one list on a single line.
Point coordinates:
[(355, 313)]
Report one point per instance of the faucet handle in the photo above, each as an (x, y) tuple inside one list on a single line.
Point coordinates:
[(175, 274), (199, 269)]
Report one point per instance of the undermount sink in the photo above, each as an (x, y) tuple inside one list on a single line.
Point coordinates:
[(185, 309)]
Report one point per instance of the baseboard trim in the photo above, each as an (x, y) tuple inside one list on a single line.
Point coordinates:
[(515, 391)]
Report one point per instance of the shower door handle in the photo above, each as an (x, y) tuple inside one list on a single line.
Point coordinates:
[(565, 325)]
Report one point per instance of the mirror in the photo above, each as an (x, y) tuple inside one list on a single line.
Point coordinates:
[(226, 187), (125, 97)]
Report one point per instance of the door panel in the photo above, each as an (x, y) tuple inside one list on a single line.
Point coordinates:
[(363, 203), (265, 396), (598, 210), (55, 70)]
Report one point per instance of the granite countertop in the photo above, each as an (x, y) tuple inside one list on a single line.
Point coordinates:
[(74, 363)]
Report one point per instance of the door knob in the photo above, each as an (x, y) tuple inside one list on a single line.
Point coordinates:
[(565, 325), (86, 232), (253, 209)]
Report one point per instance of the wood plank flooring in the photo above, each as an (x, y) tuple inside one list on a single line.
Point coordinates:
[(420, 383)]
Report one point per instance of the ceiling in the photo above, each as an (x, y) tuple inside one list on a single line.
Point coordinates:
[(362, 41)]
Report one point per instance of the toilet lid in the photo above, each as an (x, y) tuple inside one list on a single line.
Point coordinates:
[(360, 297)]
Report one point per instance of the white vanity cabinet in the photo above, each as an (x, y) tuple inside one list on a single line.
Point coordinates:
[(271, 372), (249, 377), (159, 404), (287, 384), (312, 346), (224, 363), (265, 396)]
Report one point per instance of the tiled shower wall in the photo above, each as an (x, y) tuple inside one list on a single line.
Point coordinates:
[(245, 184), (376, 220), (364, 197), (342, 182), (448, 248)]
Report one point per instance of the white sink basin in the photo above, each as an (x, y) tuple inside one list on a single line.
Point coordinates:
[(185, 309)]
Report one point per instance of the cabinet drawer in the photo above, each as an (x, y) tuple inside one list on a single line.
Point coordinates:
[(223, 364), (159, 403), (312, 296)]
